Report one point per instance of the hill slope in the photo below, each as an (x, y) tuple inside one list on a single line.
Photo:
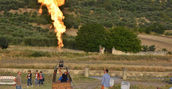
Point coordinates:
[(16, 24)]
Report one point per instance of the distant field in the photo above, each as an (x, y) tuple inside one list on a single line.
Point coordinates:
[(48, 57), (159, 41)]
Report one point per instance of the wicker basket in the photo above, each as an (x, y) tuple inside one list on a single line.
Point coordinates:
[(62, 85)]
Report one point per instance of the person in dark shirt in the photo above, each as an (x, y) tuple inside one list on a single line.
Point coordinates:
[(63, 78), (29, 78)]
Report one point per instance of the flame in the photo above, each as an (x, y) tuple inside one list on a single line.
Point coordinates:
[(56, 16)]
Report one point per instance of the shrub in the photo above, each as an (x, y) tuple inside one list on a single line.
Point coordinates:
[(70, 21), (69, 43), (170, 53), (3, 42), (123, 39), (152, 48), (145, 48), (36, 41), (164, 49), (157, 28), (40, 54), (90, 37)]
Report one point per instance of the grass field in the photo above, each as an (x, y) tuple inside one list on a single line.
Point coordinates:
[(159, 41), (80, 82), (27, 57), (48, 57)]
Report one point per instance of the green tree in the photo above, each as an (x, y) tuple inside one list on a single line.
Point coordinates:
[(123, 39), (90, 37), (3, 42)]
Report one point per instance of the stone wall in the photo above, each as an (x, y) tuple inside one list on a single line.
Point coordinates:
[(118, 52)]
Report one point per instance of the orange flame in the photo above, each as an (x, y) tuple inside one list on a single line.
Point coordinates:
[(56, 16)]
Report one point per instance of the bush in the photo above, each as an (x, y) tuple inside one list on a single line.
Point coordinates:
[(69, 44), (123, 39), (36, 41), (157, 28), (70, 21), (145, 48), (3, 42), (40, 54), (152, 48), (164, 49), (90, 37)]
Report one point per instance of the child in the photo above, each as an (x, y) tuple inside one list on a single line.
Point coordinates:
[(41, 78), (29, 78), (36, 78)]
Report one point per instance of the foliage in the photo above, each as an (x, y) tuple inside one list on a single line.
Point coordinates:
[(71, 21), (146, 48), (122, 12), (36, 41), (40, 54), (164, 49), (107, 12), (152, 48), (3, 42), (90, 37), (157, 28), (123, 39)]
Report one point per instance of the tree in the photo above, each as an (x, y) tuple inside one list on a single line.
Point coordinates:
[(123, 39), (90, 37), (3, 42)]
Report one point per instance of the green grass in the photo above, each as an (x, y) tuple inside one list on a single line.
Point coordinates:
[(48, 80), (142, 87)]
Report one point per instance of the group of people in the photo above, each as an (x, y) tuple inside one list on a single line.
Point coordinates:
[(64, 77), (39, 79)]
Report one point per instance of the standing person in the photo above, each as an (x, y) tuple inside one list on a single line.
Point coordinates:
[(29, 78), (41, 78), (18, 81), (36, 78), (106, 80)]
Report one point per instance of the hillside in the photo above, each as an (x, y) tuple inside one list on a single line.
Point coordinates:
[(137, 13), (22, 25)]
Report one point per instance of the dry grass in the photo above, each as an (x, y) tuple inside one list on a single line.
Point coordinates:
[(48, 57), (159, 41)]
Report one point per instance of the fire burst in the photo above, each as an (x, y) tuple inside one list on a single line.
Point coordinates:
[(56, 16)]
